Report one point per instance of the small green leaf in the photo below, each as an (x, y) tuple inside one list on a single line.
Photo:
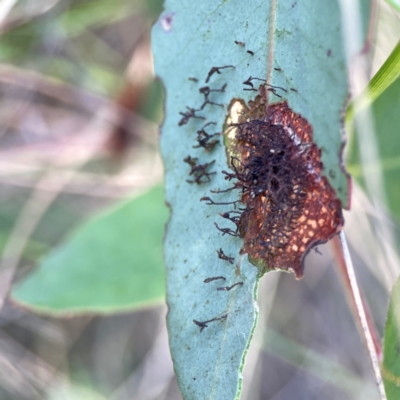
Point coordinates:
[(386, 76), (391, 349), (112, 263)]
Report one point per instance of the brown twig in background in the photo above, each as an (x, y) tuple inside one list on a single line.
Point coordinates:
[(359, 307)]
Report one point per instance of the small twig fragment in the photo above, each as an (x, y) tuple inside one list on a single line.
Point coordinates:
[(216, 70), (214, 278), (203, 324), (224, 257), (228, 288)]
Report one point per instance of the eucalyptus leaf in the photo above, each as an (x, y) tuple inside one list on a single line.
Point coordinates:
[(296, 45), (112, 263)]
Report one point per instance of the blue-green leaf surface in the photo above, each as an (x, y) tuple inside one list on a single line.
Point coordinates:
[(113, 263), (296, 45)]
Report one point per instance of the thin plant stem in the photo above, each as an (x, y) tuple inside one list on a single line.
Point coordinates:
[(363, 315)]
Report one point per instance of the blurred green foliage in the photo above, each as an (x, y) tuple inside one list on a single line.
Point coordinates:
[(391, 350), (113, 263)]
